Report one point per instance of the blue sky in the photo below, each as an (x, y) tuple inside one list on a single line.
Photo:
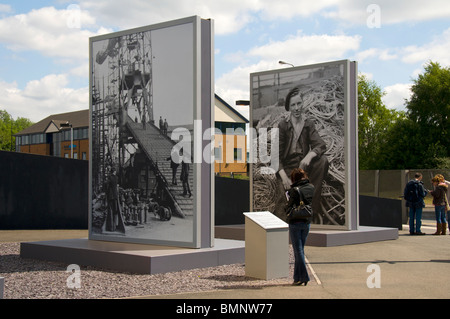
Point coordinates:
[(44, 44)]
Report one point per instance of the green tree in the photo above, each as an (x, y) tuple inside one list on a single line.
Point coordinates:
[(374, 123), (9, 127), (429, 108), (420, 139), (429, 104)]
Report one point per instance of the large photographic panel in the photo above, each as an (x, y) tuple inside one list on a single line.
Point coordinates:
[(325, 130), (145, 99)]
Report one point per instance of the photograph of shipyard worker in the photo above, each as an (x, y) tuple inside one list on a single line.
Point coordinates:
[(174, 167), (414, 194), (161, 126), (184, 176), (165, 127), (113, 218), (440, 203), (300, 146)]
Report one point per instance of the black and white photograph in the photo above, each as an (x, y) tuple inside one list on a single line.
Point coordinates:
[(307, 107), (142, 90)]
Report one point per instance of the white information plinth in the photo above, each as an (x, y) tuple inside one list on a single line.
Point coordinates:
[(266, 246)]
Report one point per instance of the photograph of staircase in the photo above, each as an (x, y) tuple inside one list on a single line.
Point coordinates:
[(138, 194)]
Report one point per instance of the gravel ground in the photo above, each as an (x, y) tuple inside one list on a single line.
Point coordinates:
[(34, 279)]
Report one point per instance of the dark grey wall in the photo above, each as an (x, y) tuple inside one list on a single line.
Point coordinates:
[(43, 192), (232, 199), (380, 212)]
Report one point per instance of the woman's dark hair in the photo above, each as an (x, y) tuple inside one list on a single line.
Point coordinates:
[(298, 174)]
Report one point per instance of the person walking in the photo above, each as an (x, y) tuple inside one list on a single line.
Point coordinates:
[(301, 190), (440, 203), (414, 194)]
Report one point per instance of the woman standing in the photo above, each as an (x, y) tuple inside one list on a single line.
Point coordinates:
[(439, 202), (301, 190)]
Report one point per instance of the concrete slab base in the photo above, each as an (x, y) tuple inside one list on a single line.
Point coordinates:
[(152, 259), (324, 238), (134, 258), (364, 234)]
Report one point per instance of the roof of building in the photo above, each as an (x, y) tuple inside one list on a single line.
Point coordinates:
[(78, 119), (53, 122), (228, 113)]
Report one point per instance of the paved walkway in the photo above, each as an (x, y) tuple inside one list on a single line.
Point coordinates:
[(409, 267)]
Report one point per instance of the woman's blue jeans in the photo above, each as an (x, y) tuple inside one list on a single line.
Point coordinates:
[(440, 214), (299, 232)]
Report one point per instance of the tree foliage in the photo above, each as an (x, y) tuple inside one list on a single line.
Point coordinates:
[(421, 139), (374, 123), (9, 127)]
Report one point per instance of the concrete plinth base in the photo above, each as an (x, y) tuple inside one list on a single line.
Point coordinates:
[(324, 238), (364, 234), (153, 259), (134, 258)]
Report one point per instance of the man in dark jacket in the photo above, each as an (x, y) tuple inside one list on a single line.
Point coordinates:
[(113, 219), (414, 194)]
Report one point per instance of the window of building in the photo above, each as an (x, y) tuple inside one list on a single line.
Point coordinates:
[(218, 153), (235, 128), (238, 154), (84, 133), (67, 135), (38, 139), (78, 134), (57, 144)]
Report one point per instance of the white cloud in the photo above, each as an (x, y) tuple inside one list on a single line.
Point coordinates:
[(232, 16), (382, 54), (5, 8), (288, 9), (436, 50), (229, 16), (390, 12), (298, 50), (43, 97), (306, 49), (396, 95), (48, 31)]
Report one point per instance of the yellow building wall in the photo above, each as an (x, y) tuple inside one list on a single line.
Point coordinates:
[(227, 164)]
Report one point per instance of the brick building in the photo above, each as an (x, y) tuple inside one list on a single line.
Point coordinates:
[(53, 135), (230, 147)]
